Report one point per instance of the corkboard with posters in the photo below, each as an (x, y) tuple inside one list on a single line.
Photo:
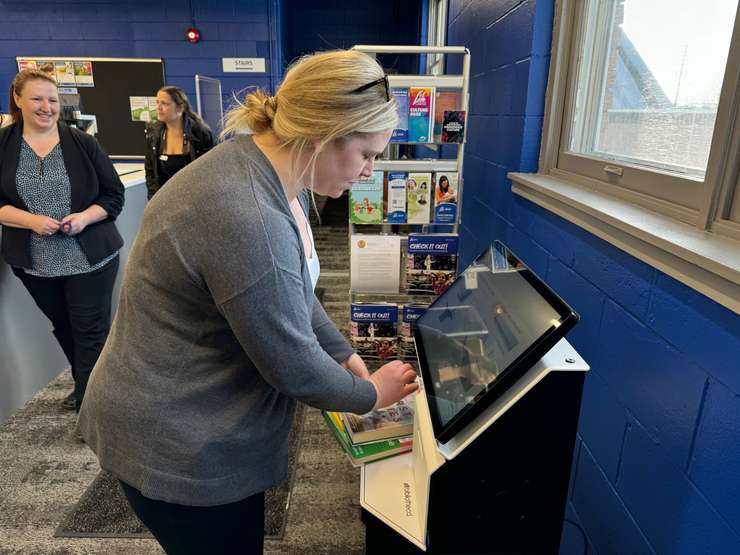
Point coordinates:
[(106, 87)]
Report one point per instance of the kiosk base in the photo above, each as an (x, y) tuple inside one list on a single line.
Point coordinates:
[(505, 492)]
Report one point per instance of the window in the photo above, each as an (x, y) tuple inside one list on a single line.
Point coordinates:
[(646, 81), (436, 35), (641, 138)]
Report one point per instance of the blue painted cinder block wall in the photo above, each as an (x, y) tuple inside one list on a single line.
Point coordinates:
[(146, 29), (657, 461)]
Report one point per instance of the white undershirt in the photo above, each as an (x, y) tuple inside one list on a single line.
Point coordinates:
[(312, 257)]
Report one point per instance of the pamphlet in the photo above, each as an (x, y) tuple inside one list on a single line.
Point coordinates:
[(366, 200), (396, 198), (445, 198), (373, 330), (421, 109), (419, 196), (401, 133), (431, 263)]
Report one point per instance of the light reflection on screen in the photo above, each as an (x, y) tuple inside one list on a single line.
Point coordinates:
[(478, 327)]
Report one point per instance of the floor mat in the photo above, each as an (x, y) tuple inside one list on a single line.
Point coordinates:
[(104, 512)]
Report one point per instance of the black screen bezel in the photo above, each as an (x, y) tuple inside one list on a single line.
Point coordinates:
[(515, 370)]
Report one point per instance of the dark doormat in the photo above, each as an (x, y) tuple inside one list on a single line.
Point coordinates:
[(104, 512)]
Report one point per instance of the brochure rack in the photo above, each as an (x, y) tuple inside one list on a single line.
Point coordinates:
[(499, 486), (392, 162)]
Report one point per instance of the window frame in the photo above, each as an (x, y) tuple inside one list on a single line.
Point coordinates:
[(709, 218)]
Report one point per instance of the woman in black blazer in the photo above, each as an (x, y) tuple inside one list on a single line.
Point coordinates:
[(59, 197), (178, 137)]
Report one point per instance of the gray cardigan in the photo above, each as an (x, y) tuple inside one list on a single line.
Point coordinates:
[(217, 333)]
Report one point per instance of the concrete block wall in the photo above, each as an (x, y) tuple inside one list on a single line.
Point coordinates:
[(657, 461), (147, 29)]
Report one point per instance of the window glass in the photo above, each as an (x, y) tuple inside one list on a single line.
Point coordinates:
[(650, 75)]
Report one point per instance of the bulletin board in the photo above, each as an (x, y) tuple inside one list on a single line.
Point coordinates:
[(115, 90)]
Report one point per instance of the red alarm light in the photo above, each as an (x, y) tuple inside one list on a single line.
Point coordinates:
[(192, 35)]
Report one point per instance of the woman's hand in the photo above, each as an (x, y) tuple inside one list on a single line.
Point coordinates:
[(74, 223), (393, 381), (357, 366), (44, 225)]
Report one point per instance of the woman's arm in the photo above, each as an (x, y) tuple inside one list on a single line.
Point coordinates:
[(15, 217)]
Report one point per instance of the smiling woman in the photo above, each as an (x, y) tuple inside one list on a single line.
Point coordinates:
[(59, 195)]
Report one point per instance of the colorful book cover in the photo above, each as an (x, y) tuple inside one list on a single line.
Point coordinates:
[(366, 452), (445, 198), (396, 198), (418, 198), (421, 124), (444, 101), (391, 422), (373, 330), (453, 127), (409, 315), (366, 200), (401, 133), (431, 263)]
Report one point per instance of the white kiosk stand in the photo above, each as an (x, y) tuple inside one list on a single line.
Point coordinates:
[(498, 486)]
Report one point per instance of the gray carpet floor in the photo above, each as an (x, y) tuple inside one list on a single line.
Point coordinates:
[(44, 469)]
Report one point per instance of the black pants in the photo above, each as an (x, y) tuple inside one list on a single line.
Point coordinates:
[(232, 529), (79, 309)]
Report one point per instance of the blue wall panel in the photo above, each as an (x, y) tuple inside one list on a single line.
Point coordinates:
[(153, 29), (657, 466)]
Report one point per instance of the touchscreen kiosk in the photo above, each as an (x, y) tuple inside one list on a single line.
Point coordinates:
[(491, 325), (495, 422)]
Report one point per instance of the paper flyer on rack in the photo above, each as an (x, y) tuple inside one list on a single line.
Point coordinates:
[(375, 263), (396, 198), (445, 198)]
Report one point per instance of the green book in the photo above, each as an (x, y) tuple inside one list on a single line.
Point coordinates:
[(365, 452)]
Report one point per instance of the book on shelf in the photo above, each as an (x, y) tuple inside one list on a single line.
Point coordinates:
[(396, 212), (453, 126), (366, 200), (373, 330), (431, 262), (421, 114), (375, 263), (366, 452), (401, 133), (418, 197), (410, 313), (444, 101), (445, 197), (390, 422)]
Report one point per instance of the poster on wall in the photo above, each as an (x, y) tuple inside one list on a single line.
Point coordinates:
[(84, 74), (143, 108), (26, 64), (65, 73), (47, 67)]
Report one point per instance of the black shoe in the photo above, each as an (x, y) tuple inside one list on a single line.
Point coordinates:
[(70, 402)]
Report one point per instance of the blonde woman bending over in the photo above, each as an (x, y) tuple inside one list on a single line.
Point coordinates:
[(218, 332)]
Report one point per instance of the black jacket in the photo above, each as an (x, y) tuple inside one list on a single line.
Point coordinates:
[(198, 139), (93, 180)]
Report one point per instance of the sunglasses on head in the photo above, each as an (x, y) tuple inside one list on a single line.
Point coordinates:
[(383, 80)]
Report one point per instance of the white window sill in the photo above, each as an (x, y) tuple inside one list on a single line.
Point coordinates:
[(705, 261)]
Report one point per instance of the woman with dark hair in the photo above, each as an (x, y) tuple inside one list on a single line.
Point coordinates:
[(59, 197), (178, 137)]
